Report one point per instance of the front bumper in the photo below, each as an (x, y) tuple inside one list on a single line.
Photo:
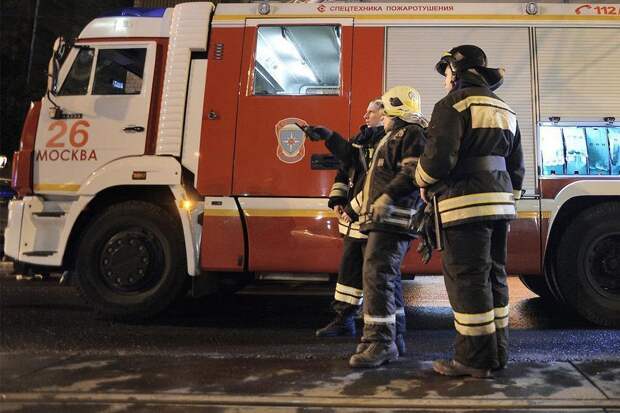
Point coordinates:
[(13, 230)]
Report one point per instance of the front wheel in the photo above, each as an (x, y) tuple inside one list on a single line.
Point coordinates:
[(588, 264), (131, 261)]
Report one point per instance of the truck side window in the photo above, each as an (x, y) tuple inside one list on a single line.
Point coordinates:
[(580, 150), (76, 82), (614, 149), (598, 151), (297, 60), (552, 148), (119, 71), (576, 151)]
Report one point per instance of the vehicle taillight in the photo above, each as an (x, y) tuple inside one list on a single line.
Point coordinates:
[(22, 159)]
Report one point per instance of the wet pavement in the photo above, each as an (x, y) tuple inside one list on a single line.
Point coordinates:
[(255, 352)]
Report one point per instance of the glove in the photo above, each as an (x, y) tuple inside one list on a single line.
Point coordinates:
[(351, 213), (424, 225), (336, 200), (425, 250), (381, 207), (317, 133)]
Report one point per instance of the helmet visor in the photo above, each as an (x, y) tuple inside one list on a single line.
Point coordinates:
[(444, 62)]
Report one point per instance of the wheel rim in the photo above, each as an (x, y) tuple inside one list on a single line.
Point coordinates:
[(131, 261), (602, 267)]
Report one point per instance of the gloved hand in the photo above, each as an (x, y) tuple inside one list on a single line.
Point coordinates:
[(350, 213), (317, 133), (381, 207), (335, 201), (342, 214), (425, 250), (424, 225)]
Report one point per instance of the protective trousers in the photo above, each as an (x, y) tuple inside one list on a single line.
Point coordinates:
[(384, 312), (349, 294), (474, 259)]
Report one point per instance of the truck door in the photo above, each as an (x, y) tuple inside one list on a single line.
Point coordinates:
[(104, 92), (292, 71)]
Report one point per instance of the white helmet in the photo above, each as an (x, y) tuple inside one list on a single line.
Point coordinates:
[(402, 102)]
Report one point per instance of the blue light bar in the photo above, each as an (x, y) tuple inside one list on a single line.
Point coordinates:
[(135, 12)]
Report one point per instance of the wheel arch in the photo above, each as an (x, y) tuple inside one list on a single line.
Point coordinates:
[(568, 210), (160, 195)]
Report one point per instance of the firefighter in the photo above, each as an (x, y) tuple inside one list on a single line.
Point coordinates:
[(354, 156), (349, 288), (473, 167), (389, 202)]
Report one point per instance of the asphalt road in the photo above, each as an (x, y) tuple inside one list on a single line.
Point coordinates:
[(256, 352), (270, 321)]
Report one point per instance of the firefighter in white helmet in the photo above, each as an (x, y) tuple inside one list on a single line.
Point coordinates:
[(389, 202), (473, 167)]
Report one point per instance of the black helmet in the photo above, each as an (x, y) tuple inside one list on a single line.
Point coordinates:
[(462, 58)]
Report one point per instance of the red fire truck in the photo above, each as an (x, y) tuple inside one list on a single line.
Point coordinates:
[(165, 149)]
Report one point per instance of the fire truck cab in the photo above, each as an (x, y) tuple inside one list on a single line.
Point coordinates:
[(166, 148)]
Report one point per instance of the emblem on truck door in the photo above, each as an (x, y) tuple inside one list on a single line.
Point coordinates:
[(290, 140)]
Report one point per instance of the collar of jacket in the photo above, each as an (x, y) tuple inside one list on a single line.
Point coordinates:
[(368, 135), (468, 79), (412, 119), (486, 77)]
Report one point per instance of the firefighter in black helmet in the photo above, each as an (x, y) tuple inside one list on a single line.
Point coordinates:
[(473, 166)]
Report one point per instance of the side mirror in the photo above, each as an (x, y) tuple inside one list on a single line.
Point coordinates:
[(59, 53)]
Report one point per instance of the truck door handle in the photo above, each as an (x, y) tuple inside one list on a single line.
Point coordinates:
[(324, 161), (133, 129)]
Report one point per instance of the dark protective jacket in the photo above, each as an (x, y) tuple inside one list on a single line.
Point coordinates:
[(388, 173), (354, 156), (471, 129)]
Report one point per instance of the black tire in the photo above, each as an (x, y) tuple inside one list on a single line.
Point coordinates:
[(131, 261), (588, 264), (538, 285)]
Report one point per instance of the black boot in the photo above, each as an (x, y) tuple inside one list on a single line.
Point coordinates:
[(342, 325), (454, 368), (399, 341), (374, 355)]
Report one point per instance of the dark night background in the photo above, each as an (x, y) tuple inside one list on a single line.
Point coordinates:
[(28, 29)]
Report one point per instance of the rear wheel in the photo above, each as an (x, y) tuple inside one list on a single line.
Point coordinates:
[(588, 264), (131, 261), (538, 285)]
